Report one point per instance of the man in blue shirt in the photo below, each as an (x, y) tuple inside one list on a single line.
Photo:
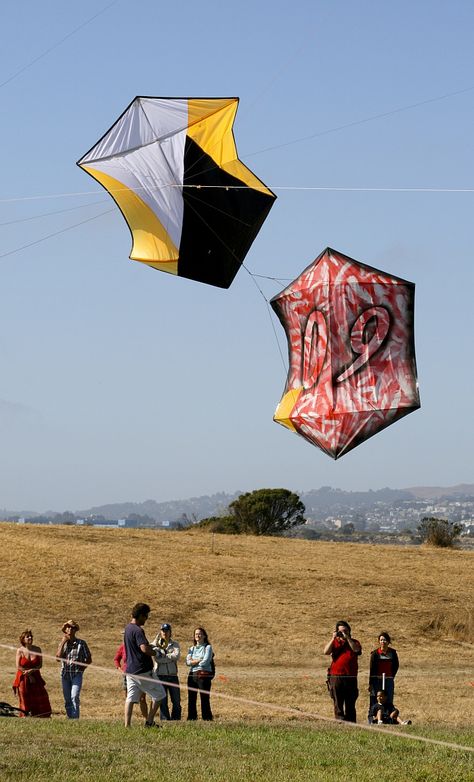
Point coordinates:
[(139, 666)]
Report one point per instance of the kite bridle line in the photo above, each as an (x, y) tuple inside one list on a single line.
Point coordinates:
[(220, 211), (269, 310), (275, 707), (219, 238)]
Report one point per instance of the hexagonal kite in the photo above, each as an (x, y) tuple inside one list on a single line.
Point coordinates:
[(171, 165), (352, 368)]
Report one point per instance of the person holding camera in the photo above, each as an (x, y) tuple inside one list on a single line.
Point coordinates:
[(342, 673), (166, 669)]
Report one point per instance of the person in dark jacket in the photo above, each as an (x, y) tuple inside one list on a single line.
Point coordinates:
[(383, 669)]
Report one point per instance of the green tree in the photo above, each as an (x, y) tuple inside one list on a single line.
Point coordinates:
[(267, 511), (224, 524), (348, 529), (439, 532)]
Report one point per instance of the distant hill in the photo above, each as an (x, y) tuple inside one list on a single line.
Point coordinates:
[(173, 510), (326, 500), (323, 500), (434, 492)]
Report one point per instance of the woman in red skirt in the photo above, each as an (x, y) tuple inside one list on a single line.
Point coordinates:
[(29, 685)]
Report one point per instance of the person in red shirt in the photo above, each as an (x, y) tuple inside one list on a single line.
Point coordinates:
[(342, 673)]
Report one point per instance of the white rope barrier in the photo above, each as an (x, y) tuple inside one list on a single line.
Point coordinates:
[(275, 707)]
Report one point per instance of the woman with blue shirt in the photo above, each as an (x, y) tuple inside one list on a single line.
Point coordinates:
[(199, 661)]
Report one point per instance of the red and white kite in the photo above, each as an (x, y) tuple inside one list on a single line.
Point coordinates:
[(352, 368)]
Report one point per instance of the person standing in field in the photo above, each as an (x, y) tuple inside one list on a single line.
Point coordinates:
[(139, 660), (384, 665), (342, 673), (200, 662), (166, 669), (29, 685), (120, 662), (75, 656)]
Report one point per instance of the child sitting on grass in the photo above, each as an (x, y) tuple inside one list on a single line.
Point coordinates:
[(385, 713)]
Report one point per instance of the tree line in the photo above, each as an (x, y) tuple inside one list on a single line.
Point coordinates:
[(275, 511)]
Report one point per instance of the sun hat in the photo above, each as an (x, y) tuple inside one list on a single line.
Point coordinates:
[(70, 623)]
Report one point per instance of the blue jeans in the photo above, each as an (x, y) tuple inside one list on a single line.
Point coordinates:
[(72, 684), (175, 695)]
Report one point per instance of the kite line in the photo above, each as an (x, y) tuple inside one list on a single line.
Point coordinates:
[(295, 188), (309, 188), (55, 45), (363, 121), (56, 212), (275, 707), (55, 233)]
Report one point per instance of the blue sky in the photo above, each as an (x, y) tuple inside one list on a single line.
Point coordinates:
[(119, 383)]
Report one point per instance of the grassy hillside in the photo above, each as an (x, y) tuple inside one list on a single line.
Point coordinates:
[(268, 604)]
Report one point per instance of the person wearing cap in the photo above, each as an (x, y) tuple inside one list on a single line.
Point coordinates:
[(74, 655), (140, 676), (166, 669), (342, 673)]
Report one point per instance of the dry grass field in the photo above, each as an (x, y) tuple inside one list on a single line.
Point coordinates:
[(268, 604)]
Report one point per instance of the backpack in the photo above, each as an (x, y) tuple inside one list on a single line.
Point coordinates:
[(11, 711)]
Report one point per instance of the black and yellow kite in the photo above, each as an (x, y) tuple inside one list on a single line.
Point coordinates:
[(171, 165)]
